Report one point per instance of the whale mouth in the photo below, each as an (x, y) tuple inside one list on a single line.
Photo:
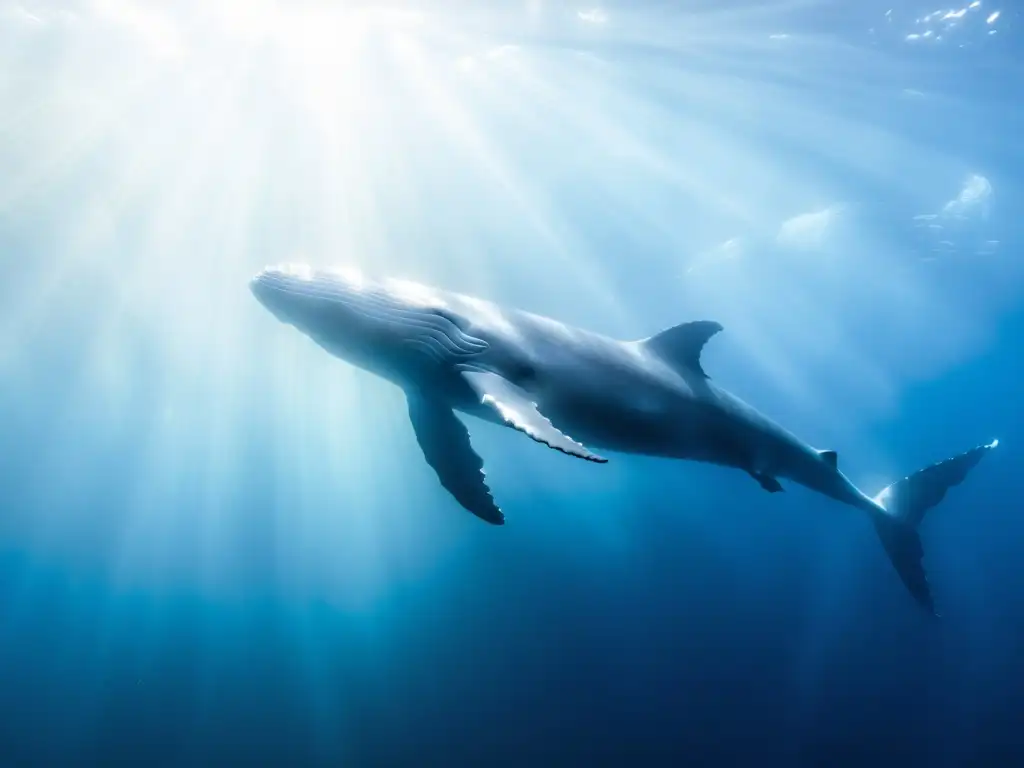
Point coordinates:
[(266, 286), (259, 287), (280, 288), (312, 299), (338, 304)]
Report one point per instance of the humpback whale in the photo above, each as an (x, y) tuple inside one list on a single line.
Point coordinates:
[(577, 392)]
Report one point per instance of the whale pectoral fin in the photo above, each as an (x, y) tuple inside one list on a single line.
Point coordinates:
[(518, 411), (445, 443), (769, 483)]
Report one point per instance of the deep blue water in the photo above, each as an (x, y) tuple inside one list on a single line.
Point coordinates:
[(219, 546)]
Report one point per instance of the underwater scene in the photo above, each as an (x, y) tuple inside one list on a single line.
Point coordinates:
[(511, 383)]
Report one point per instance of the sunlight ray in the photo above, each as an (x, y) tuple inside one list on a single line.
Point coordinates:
[(573, 165), (527, 201)]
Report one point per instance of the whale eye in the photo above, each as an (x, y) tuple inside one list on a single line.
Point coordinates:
[(526, 374)]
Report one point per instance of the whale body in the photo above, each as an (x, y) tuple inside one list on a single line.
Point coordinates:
[(577, 392)]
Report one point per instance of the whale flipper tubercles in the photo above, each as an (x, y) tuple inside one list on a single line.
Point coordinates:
[(517, 410), (445, 443)]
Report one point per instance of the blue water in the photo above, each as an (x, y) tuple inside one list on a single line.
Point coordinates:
[(219, 546)]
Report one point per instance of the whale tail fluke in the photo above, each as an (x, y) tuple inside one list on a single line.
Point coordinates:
[(905, 503)]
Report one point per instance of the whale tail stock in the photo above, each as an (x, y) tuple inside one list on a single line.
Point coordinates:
[(905, 503)]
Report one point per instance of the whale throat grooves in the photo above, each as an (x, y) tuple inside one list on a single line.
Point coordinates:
[(429, 330)]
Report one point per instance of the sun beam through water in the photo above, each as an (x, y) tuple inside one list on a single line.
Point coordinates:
[(624, 167)]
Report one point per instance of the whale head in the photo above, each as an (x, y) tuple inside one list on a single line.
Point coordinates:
[(314, 300), (387, 327)]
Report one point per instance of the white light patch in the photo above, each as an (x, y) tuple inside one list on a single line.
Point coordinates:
[(299, 271), (948, 23), (974, 198), (491, 314), (808, 231), (883, 497), (960, 225), (351, 275), (416, 294), (593, 16)]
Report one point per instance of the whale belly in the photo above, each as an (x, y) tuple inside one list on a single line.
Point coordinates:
[(676, 428), (639, 426)]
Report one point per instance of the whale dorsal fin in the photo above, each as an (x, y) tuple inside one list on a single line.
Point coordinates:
[(830, 458), (681, 345)]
